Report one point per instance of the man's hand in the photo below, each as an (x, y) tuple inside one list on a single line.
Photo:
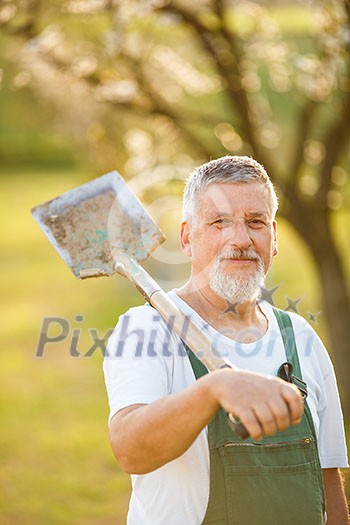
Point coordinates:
[(264, 404)]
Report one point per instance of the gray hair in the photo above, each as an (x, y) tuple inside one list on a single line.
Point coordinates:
[(225, 169)]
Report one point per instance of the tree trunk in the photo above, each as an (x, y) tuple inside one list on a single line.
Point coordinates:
[(337, 310), (335, 298)]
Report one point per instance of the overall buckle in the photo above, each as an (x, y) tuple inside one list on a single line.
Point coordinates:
[(285, 372)]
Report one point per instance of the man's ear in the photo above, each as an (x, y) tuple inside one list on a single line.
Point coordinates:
[(185, 235), (275, 243)]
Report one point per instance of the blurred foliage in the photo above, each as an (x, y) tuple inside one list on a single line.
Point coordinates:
[(27, 136), (138, 98)]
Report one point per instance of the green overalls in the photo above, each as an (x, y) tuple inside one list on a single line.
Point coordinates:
[(275, 481)]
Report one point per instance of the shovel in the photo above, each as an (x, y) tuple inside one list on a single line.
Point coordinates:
[(101, 228)]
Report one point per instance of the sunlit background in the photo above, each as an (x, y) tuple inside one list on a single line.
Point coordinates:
[(152, 89)]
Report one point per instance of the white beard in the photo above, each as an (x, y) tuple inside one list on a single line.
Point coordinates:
[(237, 289)]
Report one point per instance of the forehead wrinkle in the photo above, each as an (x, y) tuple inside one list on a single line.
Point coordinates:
[(257, 213), (215, 196), (223, 214)]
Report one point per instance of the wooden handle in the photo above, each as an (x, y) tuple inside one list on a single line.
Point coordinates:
[(188, 332)]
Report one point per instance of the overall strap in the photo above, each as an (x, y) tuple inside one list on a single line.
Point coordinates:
[(287, 333), (199, 369)]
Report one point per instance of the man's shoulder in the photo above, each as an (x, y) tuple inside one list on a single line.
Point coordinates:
[(300, 324), (144, 317), (309, 344), (143, 314), (147, 313), (142, 310), (298, 321), (304, 333)]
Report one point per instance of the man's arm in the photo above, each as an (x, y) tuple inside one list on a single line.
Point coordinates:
[(336, 508), (146, 437)]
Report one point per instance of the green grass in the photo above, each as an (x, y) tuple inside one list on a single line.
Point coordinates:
[(56, 463)]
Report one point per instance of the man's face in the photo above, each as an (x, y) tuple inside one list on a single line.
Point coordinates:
[(232, 233)]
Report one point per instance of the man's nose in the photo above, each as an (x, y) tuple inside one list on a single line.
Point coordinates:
[(240, 235)]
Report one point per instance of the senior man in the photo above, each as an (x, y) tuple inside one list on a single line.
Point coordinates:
[(167, 415)]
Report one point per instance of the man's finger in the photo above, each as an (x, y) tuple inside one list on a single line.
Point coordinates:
[(281, 412), (266, 418), (292, 396), (252, 424)]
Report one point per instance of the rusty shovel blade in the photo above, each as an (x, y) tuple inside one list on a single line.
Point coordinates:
[(93, 223)]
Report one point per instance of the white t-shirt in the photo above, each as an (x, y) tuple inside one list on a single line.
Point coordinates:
[(145, 362)]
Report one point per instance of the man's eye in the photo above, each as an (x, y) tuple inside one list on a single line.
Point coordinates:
[(256, 223), (220, 222)]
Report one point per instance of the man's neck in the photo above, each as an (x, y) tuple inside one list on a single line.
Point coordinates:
[(244, 321)]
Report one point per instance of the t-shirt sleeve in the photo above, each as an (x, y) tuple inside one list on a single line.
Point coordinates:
[(137, 364), (331, 435)]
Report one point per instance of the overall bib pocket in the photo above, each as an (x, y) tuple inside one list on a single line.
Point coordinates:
[(262, 486)]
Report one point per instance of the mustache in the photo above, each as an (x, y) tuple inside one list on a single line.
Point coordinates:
[(240, 254)]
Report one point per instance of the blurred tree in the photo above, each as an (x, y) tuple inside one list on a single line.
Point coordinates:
[(170, 81)]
